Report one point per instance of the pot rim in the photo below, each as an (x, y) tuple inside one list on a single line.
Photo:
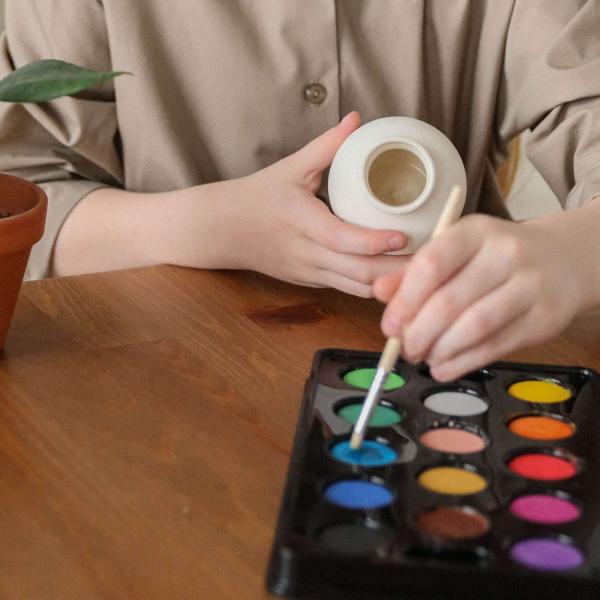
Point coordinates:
[(23, 229)]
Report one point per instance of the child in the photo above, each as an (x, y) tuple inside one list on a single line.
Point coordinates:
[(194, 159)]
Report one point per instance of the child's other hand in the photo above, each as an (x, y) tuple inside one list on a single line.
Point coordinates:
[(485, 288), (279, 227)]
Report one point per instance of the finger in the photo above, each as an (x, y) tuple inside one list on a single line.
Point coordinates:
[(509, 338), (482, 320), (477, 278), (364, 269), (387, 285), (345, 284), (317, 155), (345, 238), (430, 267)]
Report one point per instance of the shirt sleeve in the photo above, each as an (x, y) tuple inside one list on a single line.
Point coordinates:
[(551, 85), (69, 146)]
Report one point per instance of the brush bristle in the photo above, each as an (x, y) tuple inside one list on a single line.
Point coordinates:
[(356, 441)]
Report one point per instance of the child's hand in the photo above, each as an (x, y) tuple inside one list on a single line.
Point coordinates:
[(276, 225), (485, 288)]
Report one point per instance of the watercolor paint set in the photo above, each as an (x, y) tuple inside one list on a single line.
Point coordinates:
[(484, 488)]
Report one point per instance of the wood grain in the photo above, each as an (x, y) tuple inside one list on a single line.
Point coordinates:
[(134, 461)]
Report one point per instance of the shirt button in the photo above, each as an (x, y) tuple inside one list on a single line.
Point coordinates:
[(315, 93)]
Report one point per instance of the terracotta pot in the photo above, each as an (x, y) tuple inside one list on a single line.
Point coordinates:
[(26, 203)]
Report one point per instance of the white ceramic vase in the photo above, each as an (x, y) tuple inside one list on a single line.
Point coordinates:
[(395, 173)]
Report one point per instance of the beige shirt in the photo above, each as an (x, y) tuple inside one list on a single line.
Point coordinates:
[(219, 88)]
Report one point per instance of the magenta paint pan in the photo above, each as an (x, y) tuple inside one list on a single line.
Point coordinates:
[(546, 509)]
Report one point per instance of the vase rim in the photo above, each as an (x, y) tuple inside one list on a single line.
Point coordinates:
[(400, 143)]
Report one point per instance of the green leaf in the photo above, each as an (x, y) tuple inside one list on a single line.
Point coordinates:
[(45, 80)]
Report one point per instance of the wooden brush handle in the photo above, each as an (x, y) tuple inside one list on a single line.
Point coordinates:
[(451, 211), (390, 353)]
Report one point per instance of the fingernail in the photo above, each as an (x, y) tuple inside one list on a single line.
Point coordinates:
[(396, 243), (346, 117), (391, 325), (412, 355), (439, 373), (414, 358)]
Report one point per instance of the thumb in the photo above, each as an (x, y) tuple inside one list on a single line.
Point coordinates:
[(311, 160)]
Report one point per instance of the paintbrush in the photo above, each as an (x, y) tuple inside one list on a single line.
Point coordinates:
[(393, 346)]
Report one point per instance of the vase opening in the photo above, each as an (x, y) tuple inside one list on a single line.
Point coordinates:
[(398, 176)]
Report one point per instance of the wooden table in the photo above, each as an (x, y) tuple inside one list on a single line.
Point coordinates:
[(146, 423)]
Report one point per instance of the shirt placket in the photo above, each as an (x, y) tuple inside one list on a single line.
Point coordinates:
[(311, 34)]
